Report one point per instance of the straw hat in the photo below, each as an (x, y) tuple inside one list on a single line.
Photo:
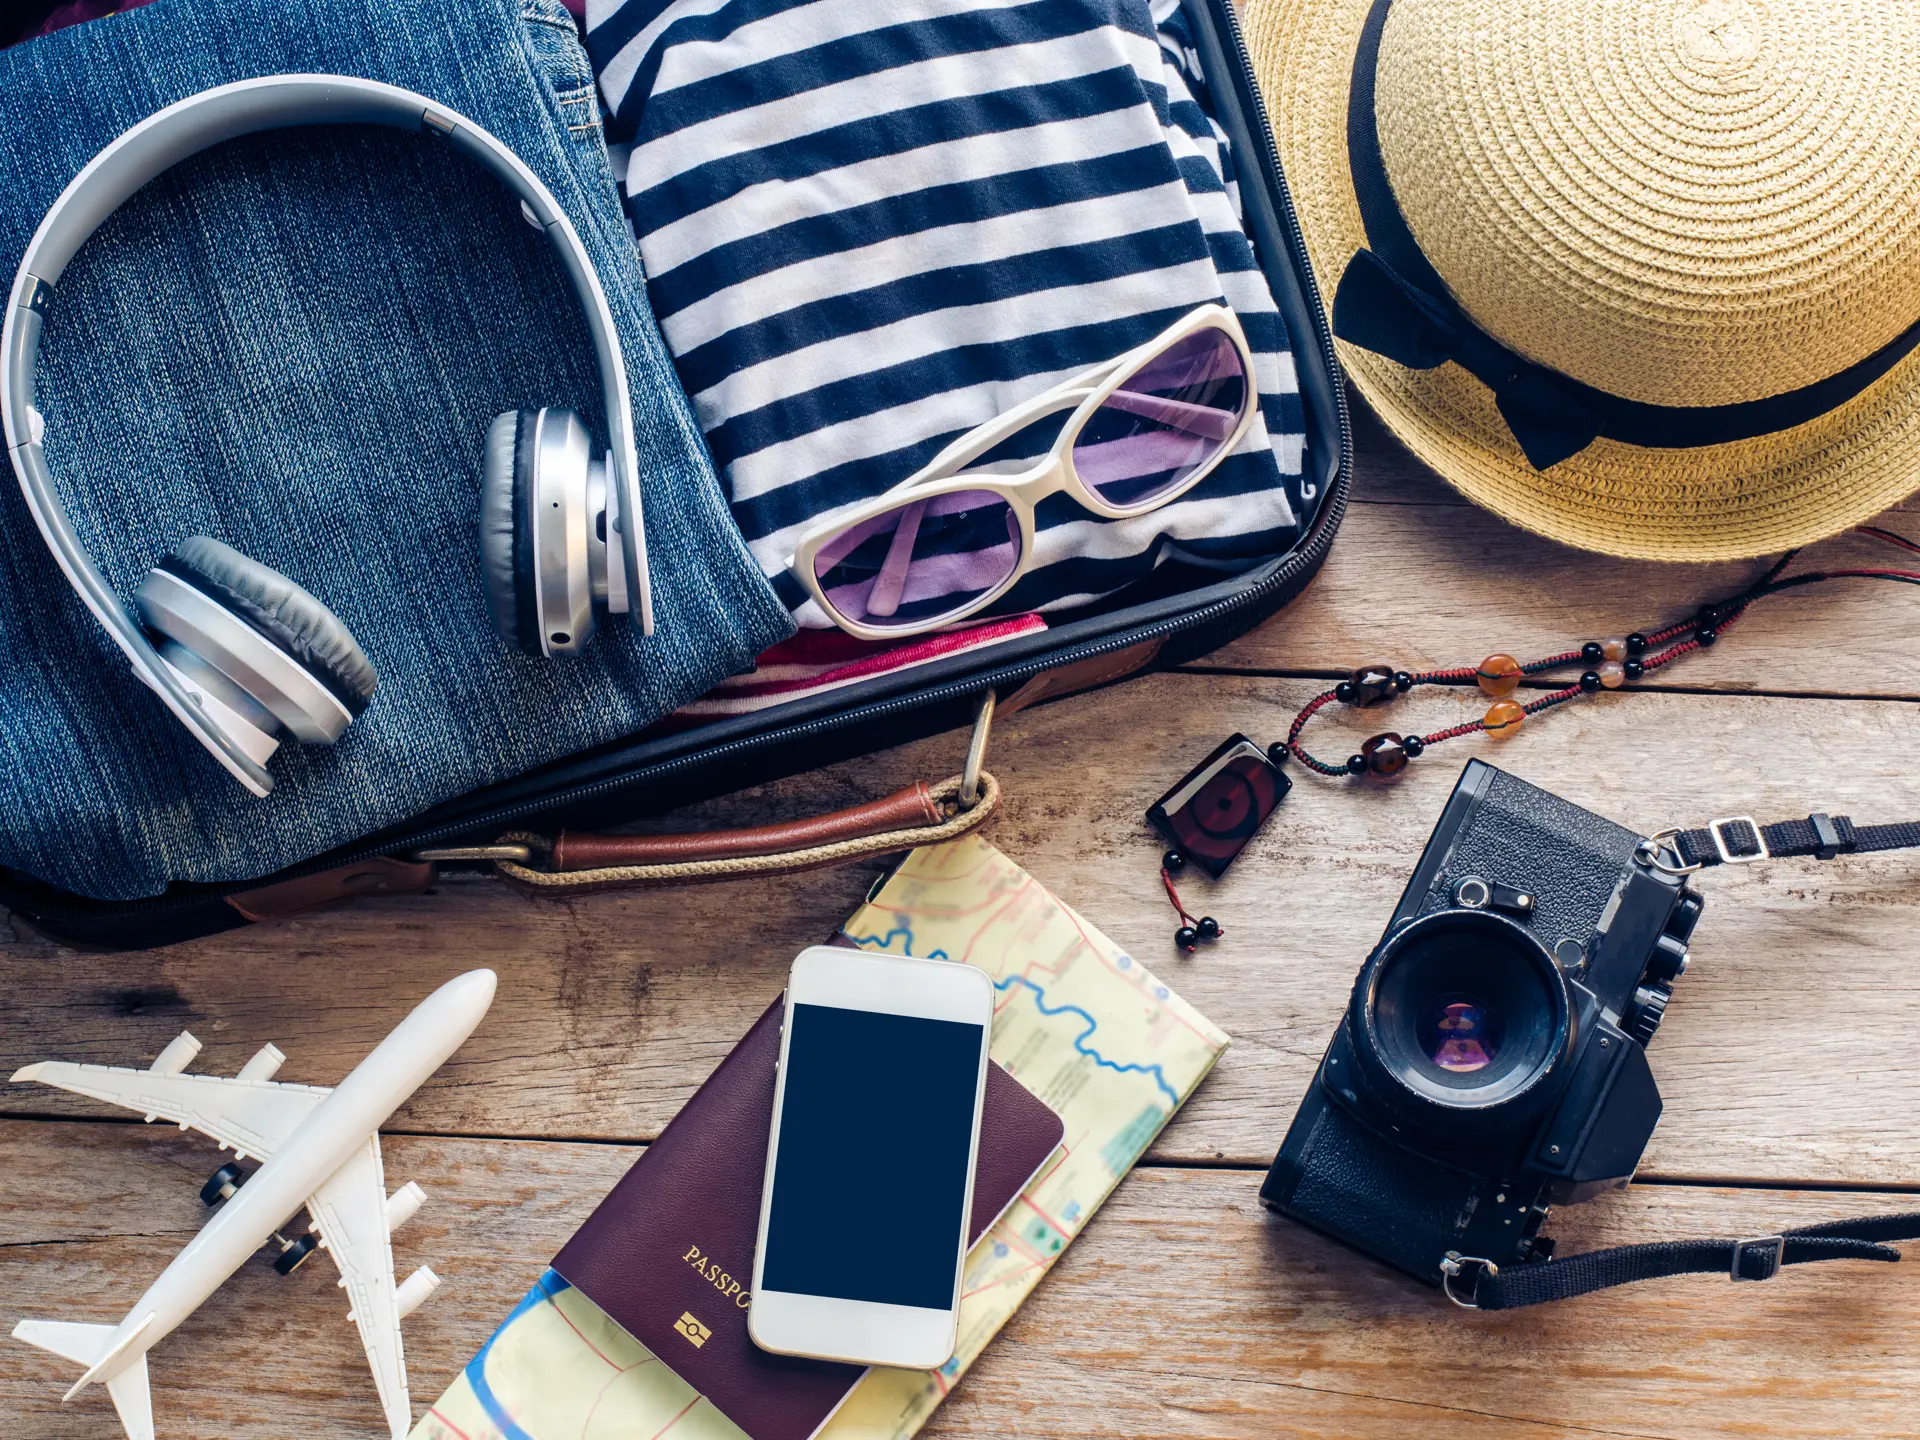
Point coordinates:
[(1640, 275)]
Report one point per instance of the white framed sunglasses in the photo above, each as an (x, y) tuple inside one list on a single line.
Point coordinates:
[(944, 544)]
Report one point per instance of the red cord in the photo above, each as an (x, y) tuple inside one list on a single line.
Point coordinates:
[(1174, 895), (1892, 539)]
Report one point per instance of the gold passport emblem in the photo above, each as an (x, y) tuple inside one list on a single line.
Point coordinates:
[(696, 1333)]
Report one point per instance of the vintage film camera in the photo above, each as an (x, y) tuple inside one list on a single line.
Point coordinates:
[(1492, 1060)]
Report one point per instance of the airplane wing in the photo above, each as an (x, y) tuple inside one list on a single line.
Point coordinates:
[(246, 1113), (350, 1212)]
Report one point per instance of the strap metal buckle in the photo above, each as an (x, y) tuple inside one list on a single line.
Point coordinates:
[(1716, 828), (1659, 852), (1776, 1250), (1450, 1269)]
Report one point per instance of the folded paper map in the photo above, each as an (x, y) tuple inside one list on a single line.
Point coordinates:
[(1079, 1022)]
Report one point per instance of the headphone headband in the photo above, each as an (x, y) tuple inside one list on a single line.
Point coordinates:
[(154, 146)]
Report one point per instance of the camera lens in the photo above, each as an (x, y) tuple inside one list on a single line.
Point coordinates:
[(1459, 1019), (1460, 1034)]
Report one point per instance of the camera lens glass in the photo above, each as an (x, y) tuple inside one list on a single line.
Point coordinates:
[(1464, 1013), (1460, 1034)]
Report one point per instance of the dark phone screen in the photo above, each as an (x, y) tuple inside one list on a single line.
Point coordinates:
[(870, 1186)]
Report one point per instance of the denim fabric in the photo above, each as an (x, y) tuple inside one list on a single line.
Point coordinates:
[(294, 343)]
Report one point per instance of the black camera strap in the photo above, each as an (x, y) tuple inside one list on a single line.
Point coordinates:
[(1482, 1285), (1741, 841)]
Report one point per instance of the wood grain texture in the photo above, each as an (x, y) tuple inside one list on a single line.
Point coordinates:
[(1424, 580), (1184, 1310), (1787, 1051)]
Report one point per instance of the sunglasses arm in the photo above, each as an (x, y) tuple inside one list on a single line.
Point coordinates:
[(1208, 420)]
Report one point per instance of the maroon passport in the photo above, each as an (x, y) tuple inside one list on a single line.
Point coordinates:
[(669, 1253)]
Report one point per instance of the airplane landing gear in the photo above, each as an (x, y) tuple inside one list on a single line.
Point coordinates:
[(293, 1253), (221, 1185)]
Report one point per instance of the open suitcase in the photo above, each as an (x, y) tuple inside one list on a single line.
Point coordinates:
[(1181, 613)]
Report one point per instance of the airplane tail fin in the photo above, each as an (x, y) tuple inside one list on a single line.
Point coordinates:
[(89, 1345), (85, 1345)]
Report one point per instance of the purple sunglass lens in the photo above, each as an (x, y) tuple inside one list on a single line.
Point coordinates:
[(1172, 416), (921, 561)]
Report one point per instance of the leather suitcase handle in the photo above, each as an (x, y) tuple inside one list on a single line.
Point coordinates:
[(935, 814), (902, 810)]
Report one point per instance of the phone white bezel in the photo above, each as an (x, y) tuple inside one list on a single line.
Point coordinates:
[(865, 1332)]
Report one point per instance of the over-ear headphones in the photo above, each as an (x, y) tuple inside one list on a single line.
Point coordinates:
[(237, 651)]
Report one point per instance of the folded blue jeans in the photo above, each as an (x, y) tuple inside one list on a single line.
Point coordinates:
[(294, 343)]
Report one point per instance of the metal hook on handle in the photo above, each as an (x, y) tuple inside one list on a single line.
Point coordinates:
[(976, 752)]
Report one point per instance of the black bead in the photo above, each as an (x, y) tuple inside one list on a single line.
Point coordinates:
[(1590, 681), (1635, 669), (1707, 636), (1278, 752), (1415, 746), (1173, 862), (1186, 938), (1208, 927), (1356, 764), (1708, 617), (1403, 680), (1343, 692), (1636, 644), (1592, 653)]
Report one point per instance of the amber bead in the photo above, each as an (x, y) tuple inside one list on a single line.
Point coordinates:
[(1386, 754), (1613, 674), (1499, 675), (1370, 685), (1504, 718), (1613, 649)]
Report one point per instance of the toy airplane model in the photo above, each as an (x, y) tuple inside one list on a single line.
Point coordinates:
[(321, 1149)]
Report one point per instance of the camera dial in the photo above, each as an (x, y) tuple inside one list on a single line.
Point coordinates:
[(1458, 1019)]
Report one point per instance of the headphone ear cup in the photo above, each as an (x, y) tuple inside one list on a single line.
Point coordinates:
[(535, 532), (506, 530), (266, 635)]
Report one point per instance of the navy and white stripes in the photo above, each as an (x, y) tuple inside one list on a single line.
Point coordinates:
[(869, 225)]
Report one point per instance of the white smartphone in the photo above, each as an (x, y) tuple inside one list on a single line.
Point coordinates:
[(876, 1121)]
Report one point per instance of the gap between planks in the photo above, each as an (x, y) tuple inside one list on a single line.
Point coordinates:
[(1642, 687)]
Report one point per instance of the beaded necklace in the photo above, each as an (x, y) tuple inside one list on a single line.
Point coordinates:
[(1609, 664)]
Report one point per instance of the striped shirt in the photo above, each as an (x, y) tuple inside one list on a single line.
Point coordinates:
[(868, 227)]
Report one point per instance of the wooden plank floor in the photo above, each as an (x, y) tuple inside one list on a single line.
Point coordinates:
[(1787, 1060)]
